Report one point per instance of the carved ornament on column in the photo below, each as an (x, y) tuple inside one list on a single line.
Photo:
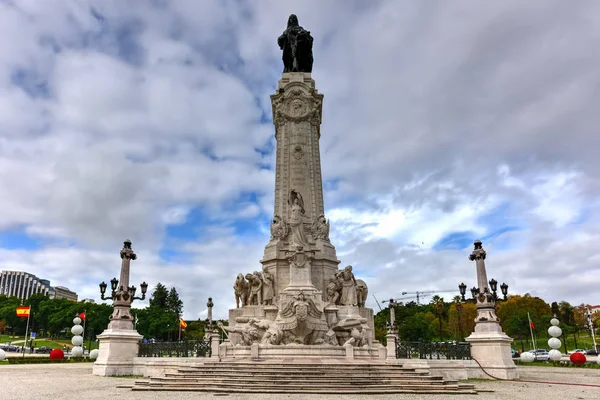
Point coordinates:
[(478, 253), (296, 105)]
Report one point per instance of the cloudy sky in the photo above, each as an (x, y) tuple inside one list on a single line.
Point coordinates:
[(443, 122)]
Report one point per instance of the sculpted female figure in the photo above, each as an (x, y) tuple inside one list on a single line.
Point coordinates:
[(348, 297), (296, 221), (267, 287)]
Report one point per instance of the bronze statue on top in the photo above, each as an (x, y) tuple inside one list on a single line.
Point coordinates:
[(296, 44)]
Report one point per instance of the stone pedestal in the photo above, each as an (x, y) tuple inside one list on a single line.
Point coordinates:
[(215, 341), (118, 348), (391, 339), (491, 348)]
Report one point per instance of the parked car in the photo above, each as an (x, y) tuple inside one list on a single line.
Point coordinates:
[(591, 352), (515, 353), (540, 354), (576, 351), (43, 350), (9, 347)]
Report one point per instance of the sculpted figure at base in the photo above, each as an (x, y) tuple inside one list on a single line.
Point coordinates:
[(296, 44), (357, 337), (348, 296), (279, 228), (255, 282), (332, 290), (362, 292), (251, 332), (240, 289), (301, 322), (268, 282), (320, 228)]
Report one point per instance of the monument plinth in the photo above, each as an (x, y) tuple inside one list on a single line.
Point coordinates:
[(300, 297)]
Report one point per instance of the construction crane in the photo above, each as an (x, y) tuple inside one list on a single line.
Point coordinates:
[(401, 298), (426, 293)]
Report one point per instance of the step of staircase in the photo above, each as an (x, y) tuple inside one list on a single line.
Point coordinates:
[(317, 378)]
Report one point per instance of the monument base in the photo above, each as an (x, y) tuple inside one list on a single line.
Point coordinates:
[(292, 351), (491, 348), (118, 348)]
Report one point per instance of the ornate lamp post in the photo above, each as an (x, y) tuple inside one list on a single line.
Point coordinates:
[(119, 344), (489, 345), (123, 295)]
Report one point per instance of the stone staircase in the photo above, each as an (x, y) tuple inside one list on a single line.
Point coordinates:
[(310, 378)]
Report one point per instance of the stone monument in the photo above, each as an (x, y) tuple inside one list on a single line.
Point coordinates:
[(489, 345), (120, 342), (299, 302)]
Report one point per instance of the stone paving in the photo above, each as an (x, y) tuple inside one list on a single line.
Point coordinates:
[(21, 382)]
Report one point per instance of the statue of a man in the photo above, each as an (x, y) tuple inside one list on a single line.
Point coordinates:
[(296, 44)]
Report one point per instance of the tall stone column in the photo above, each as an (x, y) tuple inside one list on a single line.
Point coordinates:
[(478, 255), (489, 345), (297, 111)]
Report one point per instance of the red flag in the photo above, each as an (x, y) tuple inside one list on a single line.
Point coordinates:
[(531, 325), (82, 316)]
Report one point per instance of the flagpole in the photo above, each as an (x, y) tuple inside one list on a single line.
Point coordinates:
[(180, 329), (531, 330), (84, 319), (26, 331)]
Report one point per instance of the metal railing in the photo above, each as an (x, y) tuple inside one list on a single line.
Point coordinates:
[(433, 350), (186, 348)]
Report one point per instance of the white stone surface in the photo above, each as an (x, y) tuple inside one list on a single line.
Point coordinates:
[(554, 331), (554, 343), (492, 349), (77, 351), (77, 330), (555, 355), (118, 348), (2, 355), (77, 340), (94, 354), (527, 357)]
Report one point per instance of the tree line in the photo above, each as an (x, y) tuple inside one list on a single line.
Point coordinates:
[(53, 318), (440, 320)]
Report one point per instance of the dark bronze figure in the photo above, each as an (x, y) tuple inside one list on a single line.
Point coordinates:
[(296, 44)]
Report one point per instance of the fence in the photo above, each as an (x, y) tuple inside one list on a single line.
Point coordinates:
[(433, 350), (186, 348)]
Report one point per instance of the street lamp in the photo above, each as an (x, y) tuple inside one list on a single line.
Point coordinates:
[(474, 293), (123, 295), (463, 289), (504, 288)]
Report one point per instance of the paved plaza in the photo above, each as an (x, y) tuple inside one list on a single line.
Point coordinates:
[(20, 382)]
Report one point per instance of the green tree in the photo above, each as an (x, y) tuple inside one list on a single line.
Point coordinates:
[(174, 303), (159, 296), (416, 328)]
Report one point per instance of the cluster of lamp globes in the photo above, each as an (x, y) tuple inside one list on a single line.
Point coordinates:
[(554, 343)]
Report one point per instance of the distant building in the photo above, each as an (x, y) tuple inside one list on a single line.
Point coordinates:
[(595, 309), (23, 285), (61, 292)]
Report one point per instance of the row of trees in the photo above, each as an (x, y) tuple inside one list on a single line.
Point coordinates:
[(441, 320), (54, 317)]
